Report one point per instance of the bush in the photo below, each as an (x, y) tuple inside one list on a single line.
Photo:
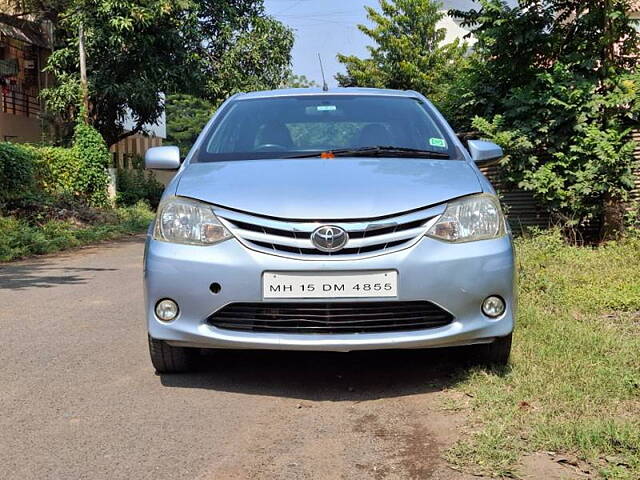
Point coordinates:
[(93, 154), (136, 185), (79, 173), (17, 166), (58, 172)]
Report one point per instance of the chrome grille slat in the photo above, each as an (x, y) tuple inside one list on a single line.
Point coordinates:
[(292, 238)]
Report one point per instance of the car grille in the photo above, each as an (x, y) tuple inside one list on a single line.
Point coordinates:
[(336, 317), (292, 238)]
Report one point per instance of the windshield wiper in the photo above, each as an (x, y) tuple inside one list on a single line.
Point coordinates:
[(377, 151)]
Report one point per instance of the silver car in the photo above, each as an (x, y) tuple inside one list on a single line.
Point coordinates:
[(339, 220)]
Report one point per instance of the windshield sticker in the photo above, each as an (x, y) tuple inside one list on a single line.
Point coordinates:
[(326, 108), (438, 142)]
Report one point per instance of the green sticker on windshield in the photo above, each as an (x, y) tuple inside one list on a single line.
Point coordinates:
[(326, 108), (438, 142)]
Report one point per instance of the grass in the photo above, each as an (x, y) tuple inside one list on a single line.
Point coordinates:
[(19, 238), (573, 385)]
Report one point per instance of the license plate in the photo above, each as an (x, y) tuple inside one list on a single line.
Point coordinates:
[(330, 285)]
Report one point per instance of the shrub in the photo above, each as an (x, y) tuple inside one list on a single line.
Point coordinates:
[(136, 185), (17, 165), (93, 155), (59, 172)]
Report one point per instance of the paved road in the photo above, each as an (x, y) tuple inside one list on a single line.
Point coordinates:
[(79, 398)]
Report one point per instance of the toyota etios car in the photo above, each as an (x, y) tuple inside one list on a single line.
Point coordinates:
[(339, 220)]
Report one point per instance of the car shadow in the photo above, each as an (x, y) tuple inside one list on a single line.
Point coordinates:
[(325, 376)]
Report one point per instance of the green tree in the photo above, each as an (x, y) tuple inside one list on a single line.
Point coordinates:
[(258, 58), (408, 51), (299, 81), (186, 116), (560, 76), (137, 49)]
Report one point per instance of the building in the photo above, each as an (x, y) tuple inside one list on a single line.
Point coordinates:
[(24, 49)]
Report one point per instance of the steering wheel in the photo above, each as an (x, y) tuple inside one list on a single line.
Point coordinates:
[(270, 147)]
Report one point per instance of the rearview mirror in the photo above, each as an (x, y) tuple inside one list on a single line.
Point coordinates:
[(484, 152), (162, 158)]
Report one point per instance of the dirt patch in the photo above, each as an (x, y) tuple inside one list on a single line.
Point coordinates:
[(551, 466)]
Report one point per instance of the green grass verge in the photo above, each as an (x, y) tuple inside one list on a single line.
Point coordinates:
[(573, 385), (19, 239)]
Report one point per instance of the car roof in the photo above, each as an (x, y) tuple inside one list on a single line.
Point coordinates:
[(289, 92)]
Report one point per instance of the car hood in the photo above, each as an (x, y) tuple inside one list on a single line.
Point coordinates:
[(317, 189)]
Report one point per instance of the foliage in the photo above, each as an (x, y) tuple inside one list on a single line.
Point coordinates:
[(186, 117), (135, 50), (408, 51), (78, 172), (17, 166), (578, 313), (560, 79), (58, 171), (20, 238), (259, 59), (135, 185), (138, 49), (299, 81), (94, 157)]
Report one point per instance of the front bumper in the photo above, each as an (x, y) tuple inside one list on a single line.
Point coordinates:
[(457, 277)]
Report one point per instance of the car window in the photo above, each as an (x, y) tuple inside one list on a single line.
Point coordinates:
[(284, 126)]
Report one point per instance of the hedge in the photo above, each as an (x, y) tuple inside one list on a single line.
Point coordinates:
[(79, 172), (17, 167)]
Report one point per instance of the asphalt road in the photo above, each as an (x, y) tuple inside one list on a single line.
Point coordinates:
[(80, 400)]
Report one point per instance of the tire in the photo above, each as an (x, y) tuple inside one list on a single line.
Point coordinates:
[(496, 353), (168, 359)]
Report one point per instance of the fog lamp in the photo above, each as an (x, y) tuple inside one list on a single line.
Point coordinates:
[(493, 306), (167, 310)]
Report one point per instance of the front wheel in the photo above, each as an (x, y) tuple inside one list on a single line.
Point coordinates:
[(495, 353), (168, 359)]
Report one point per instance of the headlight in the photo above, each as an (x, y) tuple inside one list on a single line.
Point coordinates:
[(477, 217), (181, 220)]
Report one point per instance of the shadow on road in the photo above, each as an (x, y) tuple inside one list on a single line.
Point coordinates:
[(49, 271), (324, 376), (43, 275)]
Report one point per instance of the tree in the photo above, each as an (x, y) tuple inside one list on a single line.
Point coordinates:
[(408, 51), (135, 50), (560, 77), (139, 49), (186, 116), (258, 58), (299, 81)]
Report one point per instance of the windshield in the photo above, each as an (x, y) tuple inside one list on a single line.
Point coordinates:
[(282, 127)]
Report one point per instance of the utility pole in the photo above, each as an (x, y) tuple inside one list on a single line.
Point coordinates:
[(84, 86)]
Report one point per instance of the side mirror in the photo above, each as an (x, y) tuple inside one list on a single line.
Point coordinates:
[(484, 152), (162, 158)]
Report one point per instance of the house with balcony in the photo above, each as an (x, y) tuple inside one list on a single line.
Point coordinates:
[(24, 49)]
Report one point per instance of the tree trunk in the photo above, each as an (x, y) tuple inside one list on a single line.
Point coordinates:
[(84, 84)]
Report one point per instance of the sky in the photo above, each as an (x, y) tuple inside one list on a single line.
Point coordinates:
[(328, 27)]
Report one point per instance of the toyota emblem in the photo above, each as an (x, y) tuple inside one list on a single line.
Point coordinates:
[(329, 238)]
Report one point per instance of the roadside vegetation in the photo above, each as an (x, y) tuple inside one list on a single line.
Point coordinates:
[(53, 198), (573, 386), (20, 238)]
